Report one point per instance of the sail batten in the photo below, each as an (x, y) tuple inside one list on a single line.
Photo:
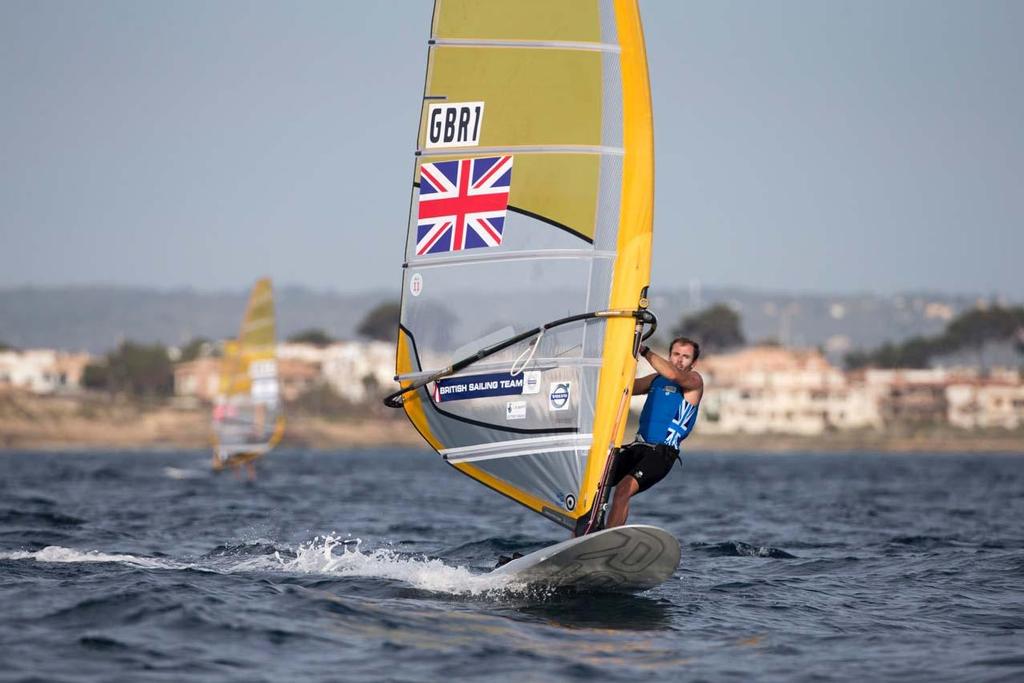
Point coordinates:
[(549, 255), (532, 149), (536, 44), (528, 187)]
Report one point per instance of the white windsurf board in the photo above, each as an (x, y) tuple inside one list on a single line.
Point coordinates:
[(625, 558)]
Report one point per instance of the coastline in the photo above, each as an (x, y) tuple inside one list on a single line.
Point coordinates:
[(90, 422)]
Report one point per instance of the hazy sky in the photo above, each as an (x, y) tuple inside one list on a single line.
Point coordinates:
[(837, 146)]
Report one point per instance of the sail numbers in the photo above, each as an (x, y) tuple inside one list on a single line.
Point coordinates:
[(454, 124)]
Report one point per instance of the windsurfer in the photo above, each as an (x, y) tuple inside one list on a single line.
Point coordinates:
[(673, 393)]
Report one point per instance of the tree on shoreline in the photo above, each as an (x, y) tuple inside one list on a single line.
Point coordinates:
[(969, 331), (716, 328), (134, 369), (381, 323), (199, 346), (314, 336)]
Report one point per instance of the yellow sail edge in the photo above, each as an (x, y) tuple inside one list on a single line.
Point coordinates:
[(632, 269), (412, 404)]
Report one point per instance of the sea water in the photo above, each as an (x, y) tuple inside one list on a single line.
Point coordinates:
[(371, 565)]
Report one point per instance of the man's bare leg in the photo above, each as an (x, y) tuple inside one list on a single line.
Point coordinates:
[(625, 490), (251, 469)]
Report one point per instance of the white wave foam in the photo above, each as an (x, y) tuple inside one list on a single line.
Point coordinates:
[(327, 555), (318, 557), (180, 473), (56, 553)]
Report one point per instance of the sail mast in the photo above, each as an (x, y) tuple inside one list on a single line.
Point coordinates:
[(633, 262)]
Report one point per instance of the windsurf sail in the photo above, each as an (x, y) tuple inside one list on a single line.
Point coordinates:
[(248, 419), (529, 243)]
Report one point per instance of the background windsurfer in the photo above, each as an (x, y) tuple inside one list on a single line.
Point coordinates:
[(673, 393)]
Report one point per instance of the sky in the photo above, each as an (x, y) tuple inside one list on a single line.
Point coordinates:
[(816, 146)]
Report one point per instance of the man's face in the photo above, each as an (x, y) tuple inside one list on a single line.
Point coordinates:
[(681, 356)]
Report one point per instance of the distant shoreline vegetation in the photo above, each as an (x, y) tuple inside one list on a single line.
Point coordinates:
[(97, 319), (970, 331)]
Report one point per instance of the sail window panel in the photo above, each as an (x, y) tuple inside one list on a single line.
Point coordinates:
[(463, 302), (552, 477), (564, 20), (611, 103), (609, 199), (531, 96)]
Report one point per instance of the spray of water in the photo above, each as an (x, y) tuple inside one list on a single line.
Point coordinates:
[(56, 553), (328, 555), (332, 555)]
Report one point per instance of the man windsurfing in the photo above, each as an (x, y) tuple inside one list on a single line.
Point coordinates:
[(673, 394)]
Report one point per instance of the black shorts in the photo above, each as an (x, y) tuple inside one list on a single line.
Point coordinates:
[(647, 462)]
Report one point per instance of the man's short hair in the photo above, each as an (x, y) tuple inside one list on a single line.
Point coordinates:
[(684, 341)]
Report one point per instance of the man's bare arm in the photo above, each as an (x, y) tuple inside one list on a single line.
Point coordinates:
[(689, 379), (641, 385)]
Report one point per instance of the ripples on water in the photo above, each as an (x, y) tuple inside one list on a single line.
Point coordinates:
[(371, 565)]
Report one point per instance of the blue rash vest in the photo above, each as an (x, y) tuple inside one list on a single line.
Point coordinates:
[(667, 416)]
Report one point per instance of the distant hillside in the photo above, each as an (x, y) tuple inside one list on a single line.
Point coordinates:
[(97, 318), (835, 322)]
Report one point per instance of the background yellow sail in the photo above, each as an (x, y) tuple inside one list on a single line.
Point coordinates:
[(247, 418)]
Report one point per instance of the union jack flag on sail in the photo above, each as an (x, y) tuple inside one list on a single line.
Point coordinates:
[(462, 204)]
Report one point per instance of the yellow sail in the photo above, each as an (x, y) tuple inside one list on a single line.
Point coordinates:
[(248, 419), (533, 180)]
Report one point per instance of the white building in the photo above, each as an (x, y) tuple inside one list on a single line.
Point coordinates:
[(356, 370), (199, 378), (42, 371), (911, 396), (996, 401), (766, 390), (360, 371)]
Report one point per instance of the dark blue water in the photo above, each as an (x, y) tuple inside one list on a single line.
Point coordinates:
[(367, 565)]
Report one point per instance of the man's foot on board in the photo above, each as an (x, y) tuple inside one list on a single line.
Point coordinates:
[(505, 559)]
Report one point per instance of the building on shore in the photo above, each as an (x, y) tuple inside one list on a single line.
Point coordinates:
[(296, 377), (992, 403), (909, 397), (357, 371), (776, 390), (756, 390), (200, 378), (42, 371), (771, 389)]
